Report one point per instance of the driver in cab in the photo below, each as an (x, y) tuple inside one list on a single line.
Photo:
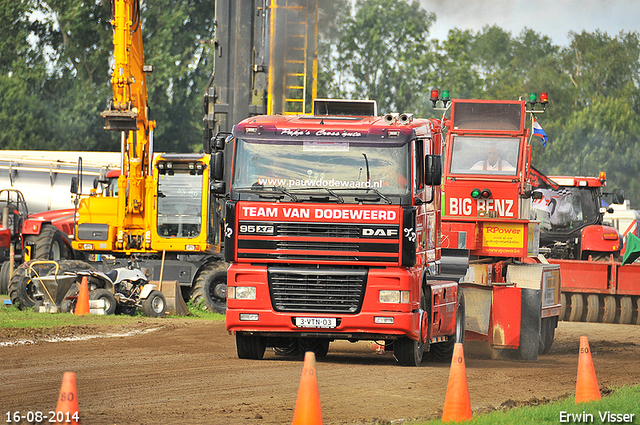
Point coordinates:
[(494, 162)]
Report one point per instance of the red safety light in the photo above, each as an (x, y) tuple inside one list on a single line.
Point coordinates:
[(434, 95), (486, 193), (602, 176), (544, 98)]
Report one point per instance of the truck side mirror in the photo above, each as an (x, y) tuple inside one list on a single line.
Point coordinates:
[(217, 165), (432, 170), (218, 141), (218, 187), (618, 196), (74, 185)]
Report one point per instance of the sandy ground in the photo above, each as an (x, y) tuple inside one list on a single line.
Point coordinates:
[(175, 371)]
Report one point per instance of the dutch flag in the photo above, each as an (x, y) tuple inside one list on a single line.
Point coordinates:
[(538, 131)]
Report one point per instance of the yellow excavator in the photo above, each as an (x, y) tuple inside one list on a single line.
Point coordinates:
[(166, 219)]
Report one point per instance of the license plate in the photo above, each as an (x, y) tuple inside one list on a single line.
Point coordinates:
[(315, 322)]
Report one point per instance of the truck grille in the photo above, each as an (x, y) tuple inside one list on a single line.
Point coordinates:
[(317, 290), (326, 242)]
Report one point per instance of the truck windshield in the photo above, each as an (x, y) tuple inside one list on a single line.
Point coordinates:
[(484, 155), (322, 165), (179, 204), (566, 209)]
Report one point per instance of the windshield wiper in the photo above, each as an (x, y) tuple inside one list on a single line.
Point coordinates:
[(339, 198), (278, 189), (378, 195)]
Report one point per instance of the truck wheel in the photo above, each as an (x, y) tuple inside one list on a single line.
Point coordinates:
[(626, 310), (577, 308), (49, 244), (547, 333), (407, 351), (4, 277), (563, 307), (154, 305), (210, 286), (443, 351), (609, 309), (291, 349), (593, 308), (250, 346), (319, 346), (107, 296)]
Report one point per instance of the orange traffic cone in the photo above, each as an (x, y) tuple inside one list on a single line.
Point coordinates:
[(82, 304), (67, 410), (586, 385), (457, 406), (307, 411)]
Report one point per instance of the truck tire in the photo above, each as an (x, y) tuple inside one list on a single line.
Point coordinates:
[(107, 296), (4, 278), (154, 305), (250, 346), (49, 244), (409, 352), (547, 334), (319, 346), (210, 287), (443, 351)]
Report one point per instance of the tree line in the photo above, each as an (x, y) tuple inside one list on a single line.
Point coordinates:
[(55, 71)]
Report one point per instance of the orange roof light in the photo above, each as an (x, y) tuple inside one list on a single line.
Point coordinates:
[(602, 177)]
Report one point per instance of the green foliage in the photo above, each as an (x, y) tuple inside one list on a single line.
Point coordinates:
[(55, 61), (622, 401)]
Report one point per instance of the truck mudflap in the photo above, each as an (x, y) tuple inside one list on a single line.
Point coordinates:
[(517, 318), (454, 263)]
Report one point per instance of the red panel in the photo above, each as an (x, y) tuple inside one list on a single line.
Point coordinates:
[(505, 317), (5, 238), (629, 279), (584, 276)]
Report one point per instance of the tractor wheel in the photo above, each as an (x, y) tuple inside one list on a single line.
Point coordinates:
[(250, 346), (49, 244), (4, 277), (443, 351), (210, 287), (154, 305), (107, 296)]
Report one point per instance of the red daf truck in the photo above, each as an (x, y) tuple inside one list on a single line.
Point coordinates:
[(332, 231), (512, 294)]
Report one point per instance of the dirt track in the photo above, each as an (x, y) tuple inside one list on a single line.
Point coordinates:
[(186, 372)]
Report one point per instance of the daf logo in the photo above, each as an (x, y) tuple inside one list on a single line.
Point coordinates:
[(380, 233)]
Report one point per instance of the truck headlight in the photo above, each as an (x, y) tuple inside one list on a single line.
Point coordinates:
[(396, 297), (241, 292)]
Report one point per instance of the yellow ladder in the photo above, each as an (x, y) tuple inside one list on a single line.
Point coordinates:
[(295, 56)]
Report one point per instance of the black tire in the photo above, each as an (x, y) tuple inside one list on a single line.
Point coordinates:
[(547, 333), (107, 296), (210, 287), (291, 349), (577, 308), (4, 277), (319, 346), (407, 351), (50, 244), (154, 305), (250, 346), (68, 304), (443, 351), (21, 288), (129, 310)]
